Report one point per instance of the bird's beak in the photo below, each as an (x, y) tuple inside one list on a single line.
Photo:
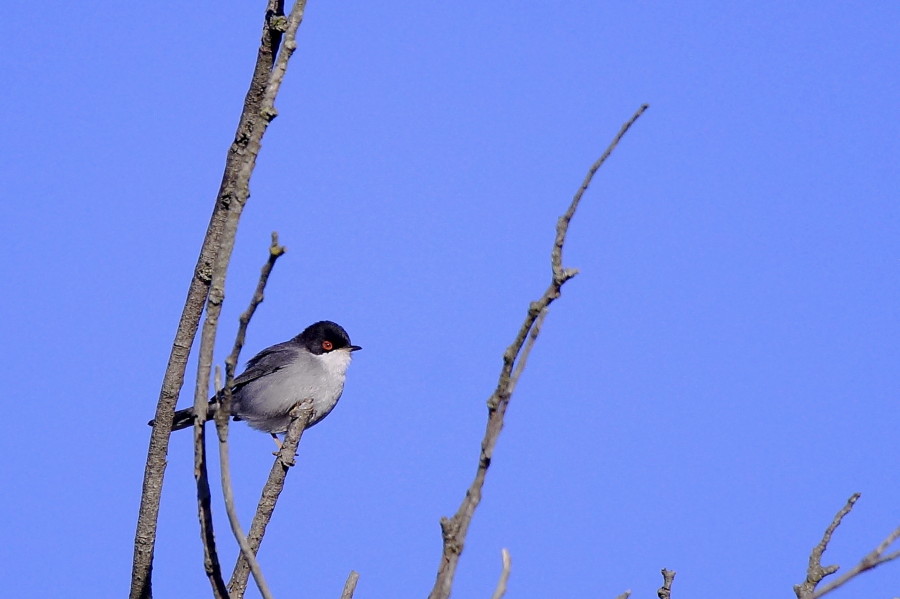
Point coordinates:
[(354, 348)]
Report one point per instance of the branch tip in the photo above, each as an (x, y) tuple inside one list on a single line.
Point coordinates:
[(665, 591), (815, 572), (514, 359), (350, 585), (506, 563)]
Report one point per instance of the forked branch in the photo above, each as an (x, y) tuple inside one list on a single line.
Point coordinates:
[(816, 572), (454, 529)]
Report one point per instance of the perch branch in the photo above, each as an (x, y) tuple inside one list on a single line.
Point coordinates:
[(454, 529), (300, 417)]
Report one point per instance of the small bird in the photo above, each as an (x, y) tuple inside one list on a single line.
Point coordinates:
[(311, 366)]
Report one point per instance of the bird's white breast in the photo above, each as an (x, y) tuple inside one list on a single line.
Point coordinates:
[(265, 402)]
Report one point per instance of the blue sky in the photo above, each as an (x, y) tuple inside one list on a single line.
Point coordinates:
[(706, 394)]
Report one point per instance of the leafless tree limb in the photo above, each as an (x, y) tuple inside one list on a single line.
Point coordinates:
[(276, 250), (526, 350), (204, 511), (300, 417), (500, 589), (234, 190), (624, 595), (201, 392), (223, 418), (350, 585), (454, 529), (816, 572), (290, 26), (875, 558), (665, 591)]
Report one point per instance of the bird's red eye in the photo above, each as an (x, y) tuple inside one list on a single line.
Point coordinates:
[(327, 345)]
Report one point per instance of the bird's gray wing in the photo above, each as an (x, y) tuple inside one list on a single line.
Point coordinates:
[(266, 362)]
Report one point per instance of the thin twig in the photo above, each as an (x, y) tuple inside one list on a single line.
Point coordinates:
[(300, 417), (204, 513), (232, 195), (526, 350), (350, 585), (227, 491), (665, 591), (276, 250), (284, 55), (454, 530), (502, 583), (201, 393), (223, 416), (870, 561), (816, 572)]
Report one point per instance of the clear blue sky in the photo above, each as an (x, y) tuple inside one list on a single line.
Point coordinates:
[(710, 389)]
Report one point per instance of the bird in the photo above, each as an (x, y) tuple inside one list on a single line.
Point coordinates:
[(311, 366)]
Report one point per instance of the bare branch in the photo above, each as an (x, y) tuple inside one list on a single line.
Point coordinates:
[(526, 350), (870, 561), (204, 512), (454, 529), (816, 572), (228, 492), (350, 585), (624, 595), (504, 575), (223, 416), (665, 591), (300, 417), (201, 393), (290, 25), (275, 251), (232, 195)]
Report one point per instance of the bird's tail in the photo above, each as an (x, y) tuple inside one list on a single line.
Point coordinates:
[(185, 418)]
